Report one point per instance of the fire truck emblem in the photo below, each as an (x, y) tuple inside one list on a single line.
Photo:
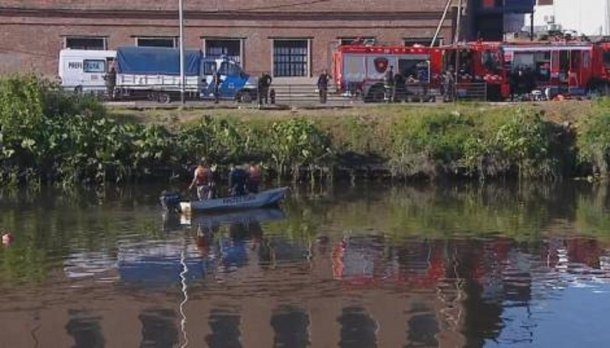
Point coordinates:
[(381, 64)]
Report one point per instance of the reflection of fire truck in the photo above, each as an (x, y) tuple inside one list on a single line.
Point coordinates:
[(361, 69)]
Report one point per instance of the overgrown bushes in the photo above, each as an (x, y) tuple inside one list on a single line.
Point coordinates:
[(49, 136), (46, 135)]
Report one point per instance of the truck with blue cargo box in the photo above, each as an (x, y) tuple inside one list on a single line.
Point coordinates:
[(154, 73)]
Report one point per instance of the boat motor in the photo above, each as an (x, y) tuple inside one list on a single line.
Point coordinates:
[(170, 201)]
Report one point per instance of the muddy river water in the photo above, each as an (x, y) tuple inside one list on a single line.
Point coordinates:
[(364, 266)]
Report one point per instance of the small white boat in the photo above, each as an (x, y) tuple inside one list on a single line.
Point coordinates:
[(240, 217), (270, 198)]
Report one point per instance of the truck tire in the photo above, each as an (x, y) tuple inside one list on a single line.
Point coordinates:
[(164, 98), (78, 90), (244, 97), (376, 95)]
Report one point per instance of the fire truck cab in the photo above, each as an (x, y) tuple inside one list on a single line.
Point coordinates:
[(479, 62), (601, 68), (359, 69)]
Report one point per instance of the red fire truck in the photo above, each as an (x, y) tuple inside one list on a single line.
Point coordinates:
[(601, 68), (569, 68), (360, 69), (479, 62), (554, 67)]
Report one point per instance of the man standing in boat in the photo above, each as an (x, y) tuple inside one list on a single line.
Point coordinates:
[(238, 178), (203, 179), (254, 178)]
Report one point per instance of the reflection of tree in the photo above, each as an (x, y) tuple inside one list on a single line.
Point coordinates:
[(158, 328), (482, 316), (85, 329), (291, 326), (358, 329)]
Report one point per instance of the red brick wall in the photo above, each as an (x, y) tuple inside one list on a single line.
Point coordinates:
[(224, 5), (30, 40)]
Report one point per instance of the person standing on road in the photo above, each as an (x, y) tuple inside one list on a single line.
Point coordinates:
[(389, 84), (448, 86), (323, 86), (216, 82), (264, 83), (110, 79)]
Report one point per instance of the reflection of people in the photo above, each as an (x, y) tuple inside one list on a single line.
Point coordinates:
[(203, 179)]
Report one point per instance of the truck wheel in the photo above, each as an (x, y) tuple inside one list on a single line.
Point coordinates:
[(164, 98), (152, 96), (375, 95), (244, 97), (78, 90)]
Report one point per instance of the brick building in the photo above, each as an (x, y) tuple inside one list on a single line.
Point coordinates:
[(289, 38)]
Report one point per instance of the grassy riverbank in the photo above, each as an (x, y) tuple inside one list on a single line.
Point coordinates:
[(47, 136)]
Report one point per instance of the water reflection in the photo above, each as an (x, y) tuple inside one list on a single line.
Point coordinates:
[(291, 326), (358, 329), (225, 330), (85, 329), (158, 328), (414, 267)]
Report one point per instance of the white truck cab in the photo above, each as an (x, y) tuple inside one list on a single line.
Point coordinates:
[(84, 70)]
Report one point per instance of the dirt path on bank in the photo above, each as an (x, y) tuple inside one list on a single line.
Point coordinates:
[(175, 117)]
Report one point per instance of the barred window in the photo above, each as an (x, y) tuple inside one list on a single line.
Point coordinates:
[(230, 48), (290, 58)]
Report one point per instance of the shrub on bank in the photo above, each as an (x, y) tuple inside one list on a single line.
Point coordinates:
[(594, 139), (47, 135)]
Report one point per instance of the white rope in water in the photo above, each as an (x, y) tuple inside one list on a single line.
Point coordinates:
[(186, 297)]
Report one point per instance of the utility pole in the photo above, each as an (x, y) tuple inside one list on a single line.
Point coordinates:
[(532, 23), (457, 48), (182, 77)]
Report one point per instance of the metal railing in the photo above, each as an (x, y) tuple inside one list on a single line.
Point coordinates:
[(471, 91), (303, 94)]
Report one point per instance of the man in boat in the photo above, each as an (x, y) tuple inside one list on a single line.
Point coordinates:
[(254, 178), (238, 178), (203, 179)]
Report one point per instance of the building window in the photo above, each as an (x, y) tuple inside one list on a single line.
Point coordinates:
[(230, 48), (85, 43), (424, 41), (357, 40), (156, 42), (291, 58)]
